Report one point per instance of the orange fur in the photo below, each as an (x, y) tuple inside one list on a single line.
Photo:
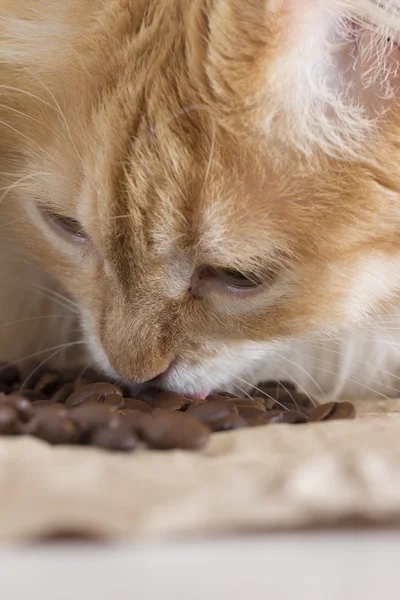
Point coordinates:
[(166, 129)]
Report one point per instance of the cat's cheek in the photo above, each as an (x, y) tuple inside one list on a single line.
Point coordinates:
[(95, 349)]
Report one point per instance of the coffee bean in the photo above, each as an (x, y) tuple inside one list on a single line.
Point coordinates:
[(322, 412), (212, 411), (343, 410), (54, 429), (148, 394), (8, 420), (43, 402), (48, 383), (273, 384), (250, 412), (297, 399), (135, 404), (5, 388), (268, 403), (120, 438), (94, 416), (63, 393), (169, 401), (32, 395), (47, 407), (113, 401), (22, 405), (102, 388), (166, 430), (296, 407), (92, 411), (86, 377), (228, 423), (273, 416), (132, 419), (239, 402), (9, 374), (293, 417)]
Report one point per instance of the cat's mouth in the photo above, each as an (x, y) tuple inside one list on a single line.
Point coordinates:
[(135, 388)]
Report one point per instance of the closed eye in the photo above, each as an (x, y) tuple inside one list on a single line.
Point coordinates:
[(67, 227)]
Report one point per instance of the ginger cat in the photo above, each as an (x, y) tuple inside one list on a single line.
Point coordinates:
[(203, 193)]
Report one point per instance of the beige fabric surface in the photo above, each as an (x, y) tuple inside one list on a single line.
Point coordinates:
[(260, 479)]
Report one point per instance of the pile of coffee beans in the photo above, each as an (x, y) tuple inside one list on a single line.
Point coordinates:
[(60, 410)]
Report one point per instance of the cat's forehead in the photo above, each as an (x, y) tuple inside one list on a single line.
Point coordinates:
[(214, 204)]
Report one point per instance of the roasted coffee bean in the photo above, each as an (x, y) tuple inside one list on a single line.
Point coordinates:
[(273, 392), (228, 395), (284, 385), (22, 405), (297, 399), (293, 417), (322, 412), (89, 417), (169, 401), (166, 430), (102, 388), (8, 420), (47, 407), (132, 419), (343, 410), (53, 429), (273, 416), (48, 383), (121, 438), (135, 404), (239, 402), (43, 402), (148, 394), (86, 377), (290, 406), (5, 388), (114, 401), (212, 411), (63, 393), (250, 412), (228, 423), (268, 403), (32, 395), (9, 374)]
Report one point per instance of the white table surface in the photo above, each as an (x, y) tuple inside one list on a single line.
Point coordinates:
[(314, 566)]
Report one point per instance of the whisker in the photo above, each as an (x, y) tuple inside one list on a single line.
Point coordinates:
[(260, 391), (323, 369), (51, 294), (18, 183), (81, 375), (39, 352), (21, 134), (34, 319), (243, 391), (305, 372), (61, 113), (68, 345)]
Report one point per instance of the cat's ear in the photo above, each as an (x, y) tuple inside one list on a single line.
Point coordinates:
[(302, 71), (265, 64), (244, 37)]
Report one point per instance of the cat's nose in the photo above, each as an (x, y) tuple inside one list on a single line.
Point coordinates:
[(153, 382)]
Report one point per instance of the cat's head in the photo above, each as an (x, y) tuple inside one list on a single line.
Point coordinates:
[(205, 178)]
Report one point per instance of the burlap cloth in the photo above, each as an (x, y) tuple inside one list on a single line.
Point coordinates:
[(259, 479)]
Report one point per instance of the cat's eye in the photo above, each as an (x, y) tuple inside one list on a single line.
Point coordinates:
[(235, 279), (66, 226)]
